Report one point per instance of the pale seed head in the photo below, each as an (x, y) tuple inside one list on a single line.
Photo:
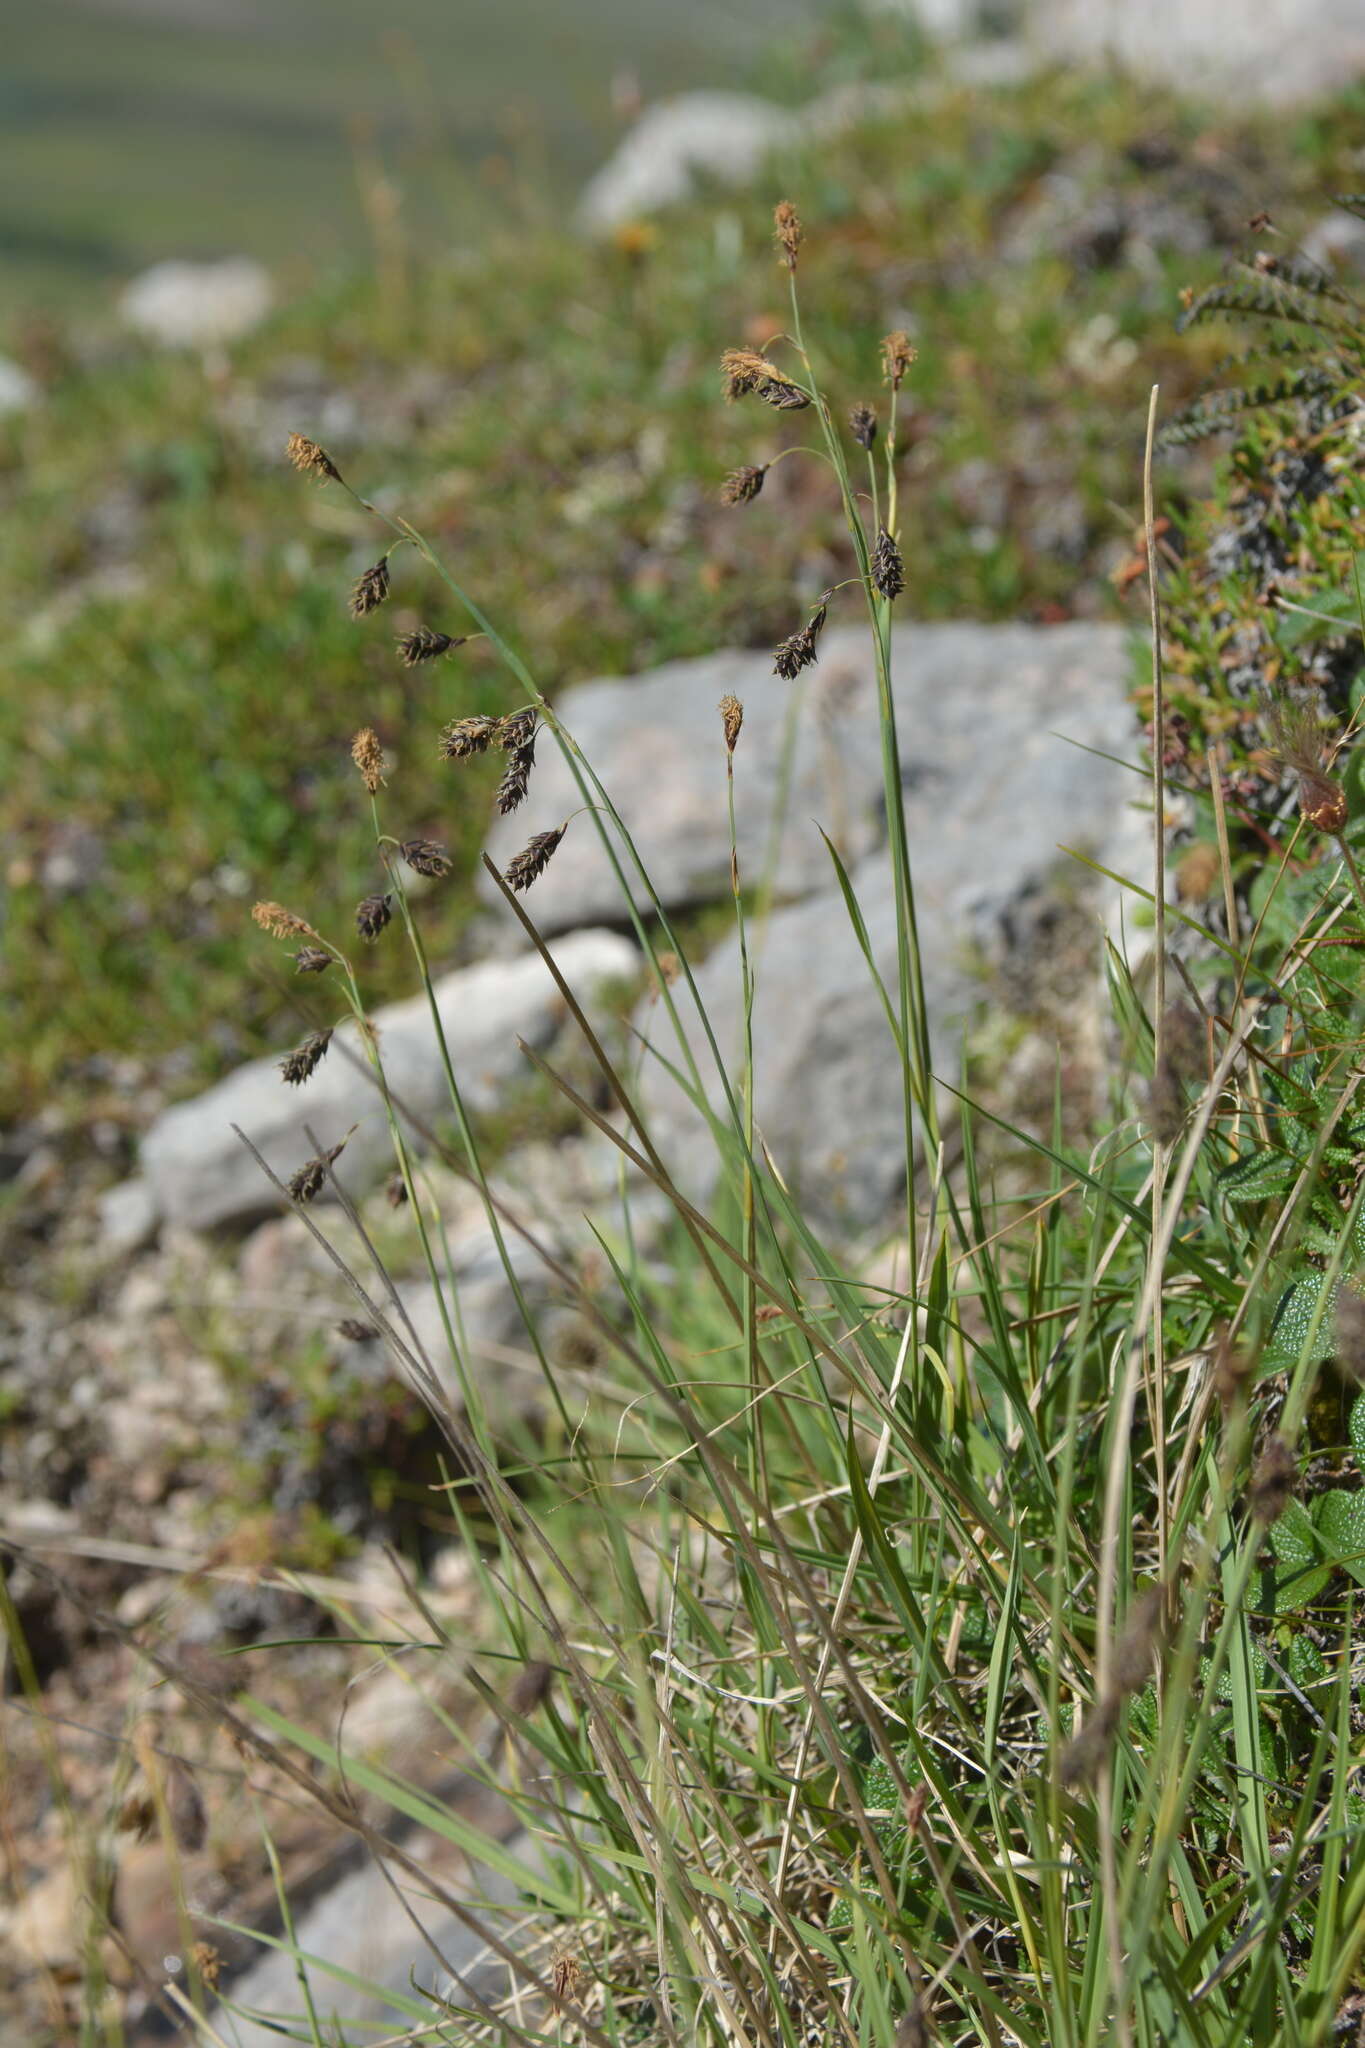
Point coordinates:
[(787, 231), (281, 923), (748, 373), (368, 756), (898, 352), (312, 460)]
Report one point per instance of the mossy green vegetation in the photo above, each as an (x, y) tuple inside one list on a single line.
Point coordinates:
[(185, 671)]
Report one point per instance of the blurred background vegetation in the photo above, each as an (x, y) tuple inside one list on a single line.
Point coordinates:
[(184, 676), (114, 109)]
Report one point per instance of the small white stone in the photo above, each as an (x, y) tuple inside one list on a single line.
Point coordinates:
[(197, 305), (18, 391), (127, 1217)]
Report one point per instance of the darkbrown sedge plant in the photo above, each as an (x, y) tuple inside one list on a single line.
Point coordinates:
[(831, 1750), (860, 1359)]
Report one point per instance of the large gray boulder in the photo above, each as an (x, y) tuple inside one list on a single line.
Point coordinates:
[(972, 701), (996, 785), (199, 1172)]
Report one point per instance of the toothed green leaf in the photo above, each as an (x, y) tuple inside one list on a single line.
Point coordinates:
[(1339, 1518), (1298, 1575), (1289, 1332), (1257, 1175), (1356, 1427)]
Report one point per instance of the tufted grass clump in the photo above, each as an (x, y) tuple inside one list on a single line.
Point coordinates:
[(957, 1648)]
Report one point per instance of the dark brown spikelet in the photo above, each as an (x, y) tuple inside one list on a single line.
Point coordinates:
[(1083, 1756), (862, 424), (424, 644), (370, 590), (305, 1059), (743, 485), (798, 650), (395, 1191), (312, 960), (185, 1807), (1181, 1067), (308, 1182), (312, 460), (356, 1332), (1272, 1482), (368, 756), (748, 374), (530, 864), (1137, 1643), (137, 1815), (530, 1686), (888, 572), (425, 857), (913, 2030), (1350, 1333), (898, 352), (467, 736), (281, 923), (731, 718), (372, 913), (1230, 1372), (516, 779), (518, 729), (787, 231)]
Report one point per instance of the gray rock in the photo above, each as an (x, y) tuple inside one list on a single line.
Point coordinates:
[(720, 135), (992, 790), (490, 1334), (564, 1195), (367, 1955), (200, 1173), (128, 1217), (197, 305), (728, 136), (655, 742), (1336, 241), (1279, 51), (965, 694)]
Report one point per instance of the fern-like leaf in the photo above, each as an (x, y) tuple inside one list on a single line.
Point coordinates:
[(1214, 411)]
